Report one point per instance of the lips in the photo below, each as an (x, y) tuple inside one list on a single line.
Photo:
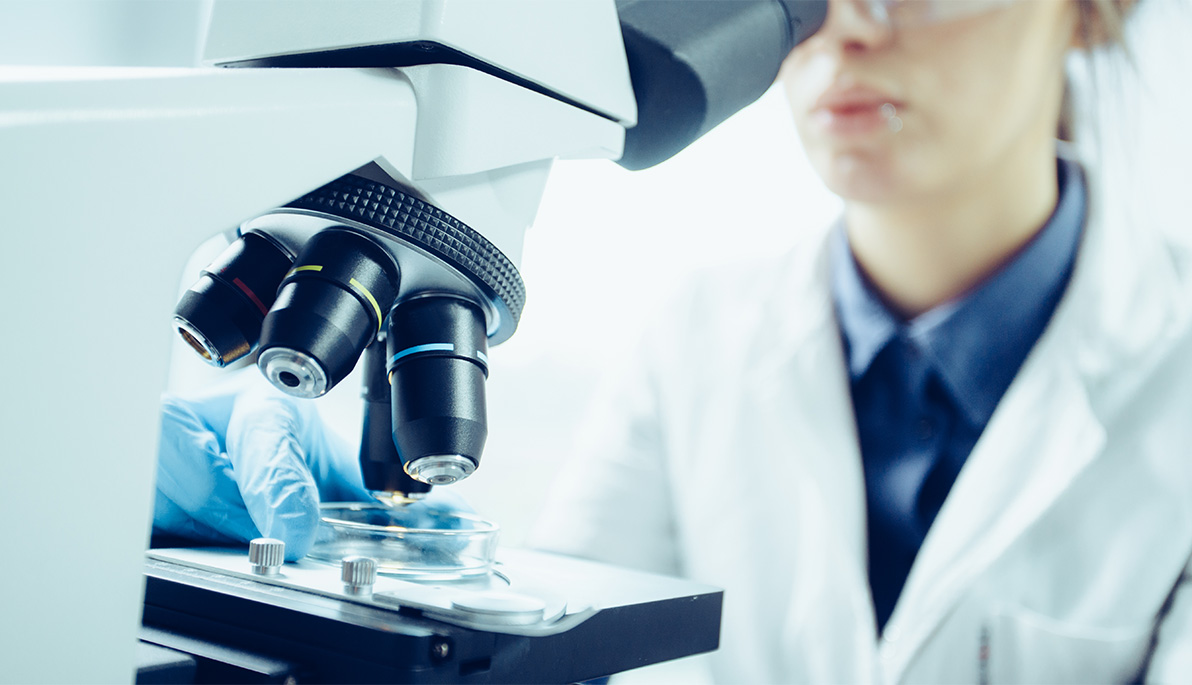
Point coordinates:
[(854, 111)]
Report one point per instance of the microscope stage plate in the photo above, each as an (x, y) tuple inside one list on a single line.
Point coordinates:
[(536, 618)]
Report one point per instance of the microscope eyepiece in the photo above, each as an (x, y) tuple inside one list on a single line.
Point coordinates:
[(220, 316), (329, 308), (437, 366)]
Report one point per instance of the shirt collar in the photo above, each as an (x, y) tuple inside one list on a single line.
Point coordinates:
[(976, 342)]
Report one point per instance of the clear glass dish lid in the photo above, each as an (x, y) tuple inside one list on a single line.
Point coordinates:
[(412, 540)]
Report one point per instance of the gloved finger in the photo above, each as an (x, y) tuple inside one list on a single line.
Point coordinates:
[(213, 403), (270, 466), (334, 463), (197, 496)]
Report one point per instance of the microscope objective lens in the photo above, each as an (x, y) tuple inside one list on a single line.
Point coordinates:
[(438, 351), (329, 307), (220, 316)]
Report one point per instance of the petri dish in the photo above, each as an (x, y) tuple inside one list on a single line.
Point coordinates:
[(412, 540)]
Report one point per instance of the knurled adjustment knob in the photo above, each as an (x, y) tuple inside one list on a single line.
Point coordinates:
[(359, 574), (266, 556)]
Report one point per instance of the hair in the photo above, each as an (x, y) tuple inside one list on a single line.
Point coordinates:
[(1103, 22), (1101, 26)]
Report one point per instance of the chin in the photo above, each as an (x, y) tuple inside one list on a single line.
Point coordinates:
[(862, 178)]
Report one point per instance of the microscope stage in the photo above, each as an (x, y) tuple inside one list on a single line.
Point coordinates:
[(535, 618)]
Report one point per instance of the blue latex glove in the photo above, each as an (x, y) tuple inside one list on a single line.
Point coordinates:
[(244, 460)]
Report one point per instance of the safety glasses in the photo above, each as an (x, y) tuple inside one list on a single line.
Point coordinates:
[(906, 13)]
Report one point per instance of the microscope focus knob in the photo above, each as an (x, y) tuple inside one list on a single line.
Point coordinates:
[(266, 556), (359, 574)]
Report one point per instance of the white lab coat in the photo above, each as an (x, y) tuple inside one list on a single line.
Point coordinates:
[(729, 454)]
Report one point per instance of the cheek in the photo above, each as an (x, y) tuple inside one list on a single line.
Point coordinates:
[(969, 96), (955, 108), (953, 89), (990, 88), (804, 76)]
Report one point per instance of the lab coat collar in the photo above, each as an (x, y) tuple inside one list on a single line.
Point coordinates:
[(865, 322), (976, 341), (800, 306)]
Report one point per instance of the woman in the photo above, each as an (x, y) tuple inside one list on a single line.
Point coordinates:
[(944, 440)]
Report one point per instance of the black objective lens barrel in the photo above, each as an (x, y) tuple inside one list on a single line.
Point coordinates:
[(220, 315), (437, 367), (329, 308), (379, 463)]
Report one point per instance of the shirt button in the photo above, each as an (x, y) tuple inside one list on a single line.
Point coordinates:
[(925, 429)]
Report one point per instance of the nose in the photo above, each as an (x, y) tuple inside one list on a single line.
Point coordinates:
[(853, 28)]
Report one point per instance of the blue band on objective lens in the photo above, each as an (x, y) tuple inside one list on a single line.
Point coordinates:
[(429, 347)]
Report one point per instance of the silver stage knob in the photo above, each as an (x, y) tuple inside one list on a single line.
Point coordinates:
[(266, 556), (359, 574)]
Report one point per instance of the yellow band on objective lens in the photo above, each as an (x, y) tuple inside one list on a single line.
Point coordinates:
[(307, 267), (372, 300)]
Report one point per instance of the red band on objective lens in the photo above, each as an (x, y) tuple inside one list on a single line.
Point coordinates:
[(251, 295)]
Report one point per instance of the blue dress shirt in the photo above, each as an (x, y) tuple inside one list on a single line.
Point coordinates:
[(924, 389)]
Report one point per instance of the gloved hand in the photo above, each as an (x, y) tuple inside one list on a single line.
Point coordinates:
[(243, 460)]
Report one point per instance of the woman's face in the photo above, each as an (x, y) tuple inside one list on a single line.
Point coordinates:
[(898, 114)]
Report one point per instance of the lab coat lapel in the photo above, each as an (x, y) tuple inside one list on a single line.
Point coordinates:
[(1042, 436), (802, 377)]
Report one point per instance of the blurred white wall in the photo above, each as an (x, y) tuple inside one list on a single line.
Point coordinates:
[(1137, 115), (150, 33)]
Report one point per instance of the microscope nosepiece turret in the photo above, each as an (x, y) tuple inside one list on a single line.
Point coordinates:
[(376, 266)]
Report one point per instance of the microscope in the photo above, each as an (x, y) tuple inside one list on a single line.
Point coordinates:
[(370, 260), (375, 164)]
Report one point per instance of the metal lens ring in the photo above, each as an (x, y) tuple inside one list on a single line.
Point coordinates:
[(441, 469), (299, 374)]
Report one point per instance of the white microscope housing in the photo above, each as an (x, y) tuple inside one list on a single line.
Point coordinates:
[(114, 175)]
